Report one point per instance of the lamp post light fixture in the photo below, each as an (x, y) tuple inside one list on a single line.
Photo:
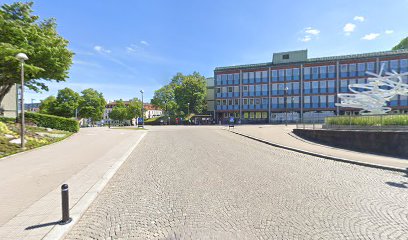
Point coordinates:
[(286, 106), (141, 91), (22, 57)]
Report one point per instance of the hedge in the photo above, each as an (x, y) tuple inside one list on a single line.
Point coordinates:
[(376, 120), (54, 122)]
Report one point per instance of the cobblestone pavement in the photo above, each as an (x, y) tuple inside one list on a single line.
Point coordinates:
[(206, 183)]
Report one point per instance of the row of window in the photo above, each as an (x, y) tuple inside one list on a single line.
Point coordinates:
[(312, 73)]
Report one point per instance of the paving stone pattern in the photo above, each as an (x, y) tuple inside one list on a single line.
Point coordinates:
[(207, 183)]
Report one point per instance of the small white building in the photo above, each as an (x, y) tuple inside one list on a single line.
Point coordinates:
[(152, 111)]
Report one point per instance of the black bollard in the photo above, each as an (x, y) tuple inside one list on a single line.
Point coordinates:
[(65, 205)]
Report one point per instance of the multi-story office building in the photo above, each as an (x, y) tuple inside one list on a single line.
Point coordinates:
[(293, 86)]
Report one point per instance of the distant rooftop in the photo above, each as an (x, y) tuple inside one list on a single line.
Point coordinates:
[(300, 56)]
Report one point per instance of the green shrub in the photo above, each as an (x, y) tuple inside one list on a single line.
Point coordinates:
[(54, 122), (7, 120), (384, 120)]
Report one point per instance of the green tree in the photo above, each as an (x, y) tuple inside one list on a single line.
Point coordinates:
[(119, 112), (92, 104), (134, 109), (47, 105), (401, 45), (66, 103), (164, 99), (190, 94), (21, 31)]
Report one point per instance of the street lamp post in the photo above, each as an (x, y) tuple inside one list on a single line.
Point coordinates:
[(188, 112), (286, 106), (22, 57), (141, 91)]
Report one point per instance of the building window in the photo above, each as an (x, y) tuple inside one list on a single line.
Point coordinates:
[(258, 77), (315, 72), (281, 75), (236, 78), (257, 101), (352, 70), (245, 101), (274, 75), (371, 67), (218, 80), (251, 77), (251, 101), (331, 71), (230, 89), (285, 56), (245, 78), (288, 74), (245, 88), (306, 73), (315, 87), (236, 101), (224, 79), (296, 74), (264, 76), (323, 72), (306, 86), (343, 70), (323, 86), (404, 65), (394, 65), (384, 65)]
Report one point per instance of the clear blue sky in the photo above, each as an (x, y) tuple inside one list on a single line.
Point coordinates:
[(128, 45)]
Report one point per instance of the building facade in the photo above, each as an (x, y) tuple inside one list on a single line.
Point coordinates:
[(209, 98), (294, 87), (10, 104), (151, 111)]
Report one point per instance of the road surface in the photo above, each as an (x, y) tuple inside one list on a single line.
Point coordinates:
[(207, 183)]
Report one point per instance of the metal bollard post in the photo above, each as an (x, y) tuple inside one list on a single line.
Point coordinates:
[(65, 205)]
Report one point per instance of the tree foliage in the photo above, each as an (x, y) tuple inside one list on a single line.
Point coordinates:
[(47, 105), (119, 112), (92, 104), (190, 94), (401, 45), (134, 109), (67, 103), (48, 53), (181, 90)]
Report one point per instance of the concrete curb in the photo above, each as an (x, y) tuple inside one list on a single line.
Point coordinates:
[(59, 231), (355, 162)]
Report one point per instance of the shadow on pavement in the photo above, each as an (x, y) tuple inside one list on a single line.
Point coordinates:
[(399, 185), (42, 225)]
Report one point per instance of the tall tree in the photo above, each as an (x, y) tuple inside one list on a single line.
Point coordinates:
[(47, 105), (190, 94), (164, 99), (21, 31), (92, 105), (401, 45), (119, 112), (134, 109), (66, 103)]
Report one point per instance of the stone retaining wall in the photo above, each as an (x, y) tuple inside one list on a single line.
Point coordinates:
[(393, 143)]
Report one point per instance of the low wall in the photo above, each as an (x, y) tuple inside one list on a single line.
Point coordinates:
[(393, 143)]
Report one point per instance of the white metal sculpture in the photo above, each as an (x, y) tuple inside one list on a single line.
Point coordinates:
[(372, 97)]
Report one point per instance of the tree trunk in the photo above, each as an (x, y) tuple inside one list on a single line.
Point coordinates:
[(4, 89)]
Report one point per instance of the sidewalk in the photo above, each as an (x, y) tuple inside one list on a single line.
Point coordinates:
[(30, 201), (282, 135)]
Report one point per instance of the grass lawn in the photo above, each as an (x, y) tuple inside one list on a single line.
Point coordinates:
[(35, 137)]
